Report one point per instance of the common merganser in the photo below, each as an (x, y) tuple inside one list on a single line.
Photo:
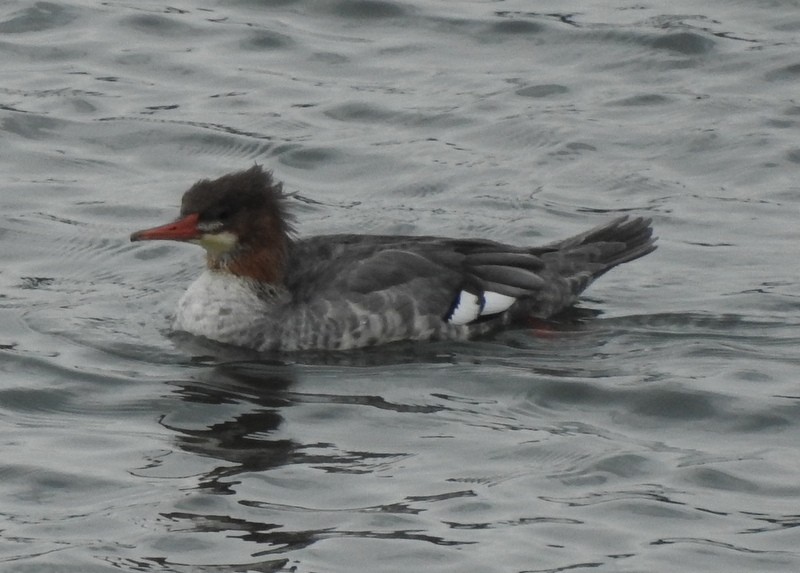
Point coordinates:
[(266, 290)]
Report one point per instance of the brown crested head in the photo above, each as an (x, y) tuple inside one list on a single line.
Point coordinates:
[(240, 219), (249, 204)]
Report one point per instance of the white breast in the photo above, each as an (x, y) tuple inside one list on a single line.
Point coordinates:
[(220, 306)]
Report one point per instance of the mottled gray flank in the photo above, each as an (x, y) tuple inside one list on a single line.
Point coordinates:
[(351, 291)]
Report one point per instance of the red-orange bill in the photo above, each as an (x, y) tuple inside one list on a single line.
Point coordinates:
[(181, 230)]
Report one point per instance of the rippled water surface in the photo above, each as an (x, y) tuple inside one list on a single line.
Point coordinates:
[(655, 430)]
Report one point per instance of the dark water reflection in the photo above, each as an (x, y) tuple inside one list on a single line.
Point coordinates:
[(242, 445), (242, 440)]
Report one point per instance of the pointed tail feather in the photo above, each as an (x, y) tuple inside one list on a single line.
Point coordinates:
[(621, 241), (579, 260), (604, 247)]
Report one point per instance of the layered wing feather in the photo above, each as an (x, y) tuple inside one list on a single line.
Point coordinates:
[(427, 287), (456, 281)]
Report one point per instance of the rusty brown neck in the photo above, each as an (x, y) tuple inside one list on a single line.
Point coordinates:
[(265, 264), (261, 251)]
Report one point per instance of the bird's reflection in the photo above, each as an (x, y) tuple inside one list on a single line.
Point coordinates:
[(252, 395), (243, 440)]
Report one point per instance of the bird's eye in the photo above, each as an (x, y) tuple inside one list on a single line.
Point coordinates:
[(210, 226)]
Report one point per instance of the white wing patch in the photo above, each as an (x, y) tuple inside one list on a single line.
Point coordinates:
[(494, 302), (469, 307)]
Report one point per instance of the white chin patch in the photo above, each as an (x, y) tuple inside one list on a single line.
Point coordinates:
[(218, 242), (466, 310), (494, 302)]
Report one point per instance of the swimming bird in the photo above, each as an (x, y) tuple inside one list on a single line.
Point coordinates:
[(268, 290)]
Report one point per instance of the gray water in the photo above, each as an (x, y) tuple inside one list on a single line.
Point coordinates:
[(655, 430)]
